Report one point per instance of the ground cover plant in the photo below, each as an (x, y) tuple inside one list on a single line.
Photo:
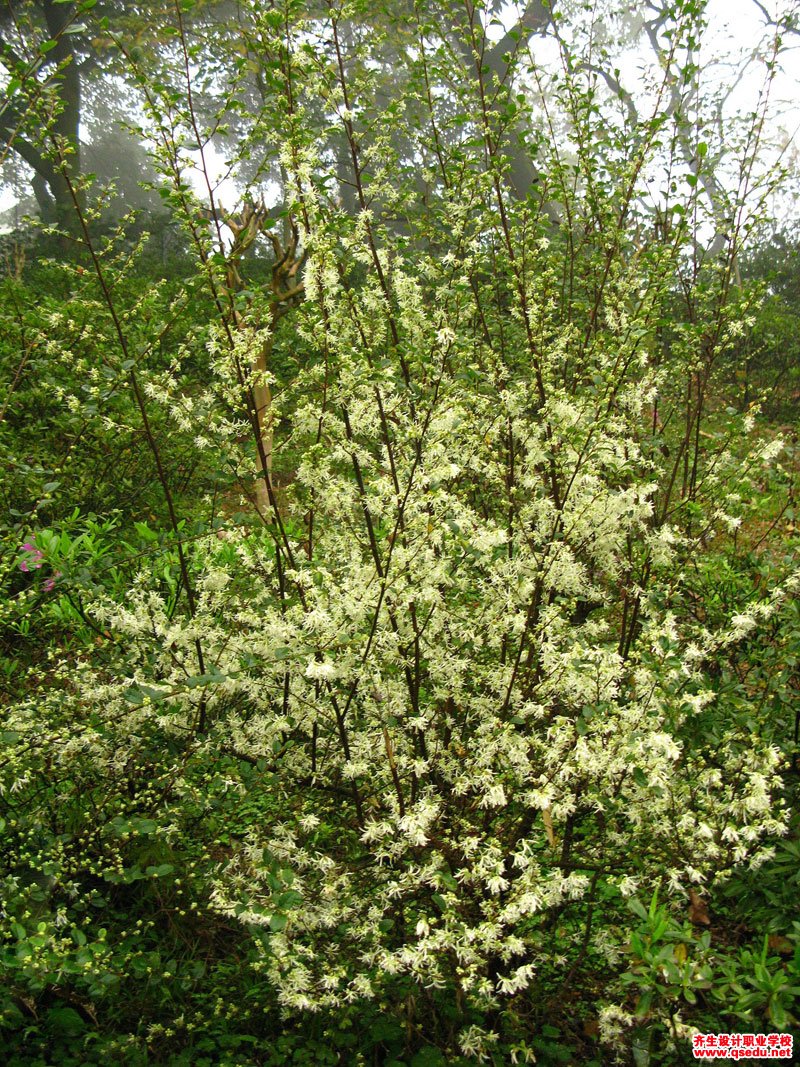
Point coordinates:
[(400, 630)]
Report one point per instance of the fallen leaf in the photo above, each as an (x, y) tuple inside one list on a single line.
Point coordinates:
[(779, 943), (698, 911)]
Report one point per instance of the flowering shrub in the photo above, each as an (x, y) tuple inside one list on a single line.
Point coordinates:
[(442, 696)]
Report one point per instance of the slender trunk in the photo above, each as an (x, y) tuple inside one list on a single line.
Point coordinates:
[(262, 396)]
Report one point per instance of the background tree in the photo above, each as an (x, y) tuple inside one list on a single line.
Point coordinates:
[(47, 54), (63, 53)]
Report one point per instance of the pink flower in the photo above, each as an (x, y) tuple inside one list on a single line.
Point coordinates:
[(49, 584), (35, 557)]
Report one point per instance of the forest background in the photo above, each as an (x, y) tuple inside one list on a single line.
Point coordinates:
[(398, 648)]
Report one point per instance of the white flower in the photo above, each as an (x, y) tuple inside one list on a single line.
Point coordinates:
[(613, 1021), (495, 797), (771, 450), (216, 580), (520, 979), (496, 884), (320, 670), (474, 1041), (628, 885)]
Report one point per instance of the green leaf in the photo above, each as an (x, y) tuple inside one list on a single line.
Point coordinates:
[(638, 908), (64, 1020), (640, 777), (640, 1047), (145, 532), (643, 1006), (198, 680), (138, 694), (143, 826), (160, 871), (428, 1057)]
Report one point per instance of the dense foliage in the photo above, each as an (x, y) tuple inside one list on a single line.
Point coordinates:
[(400, 635)]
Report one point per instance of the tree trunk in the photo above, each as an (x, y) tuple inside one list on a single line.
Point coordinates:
[(65, 132), (262, 397)]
